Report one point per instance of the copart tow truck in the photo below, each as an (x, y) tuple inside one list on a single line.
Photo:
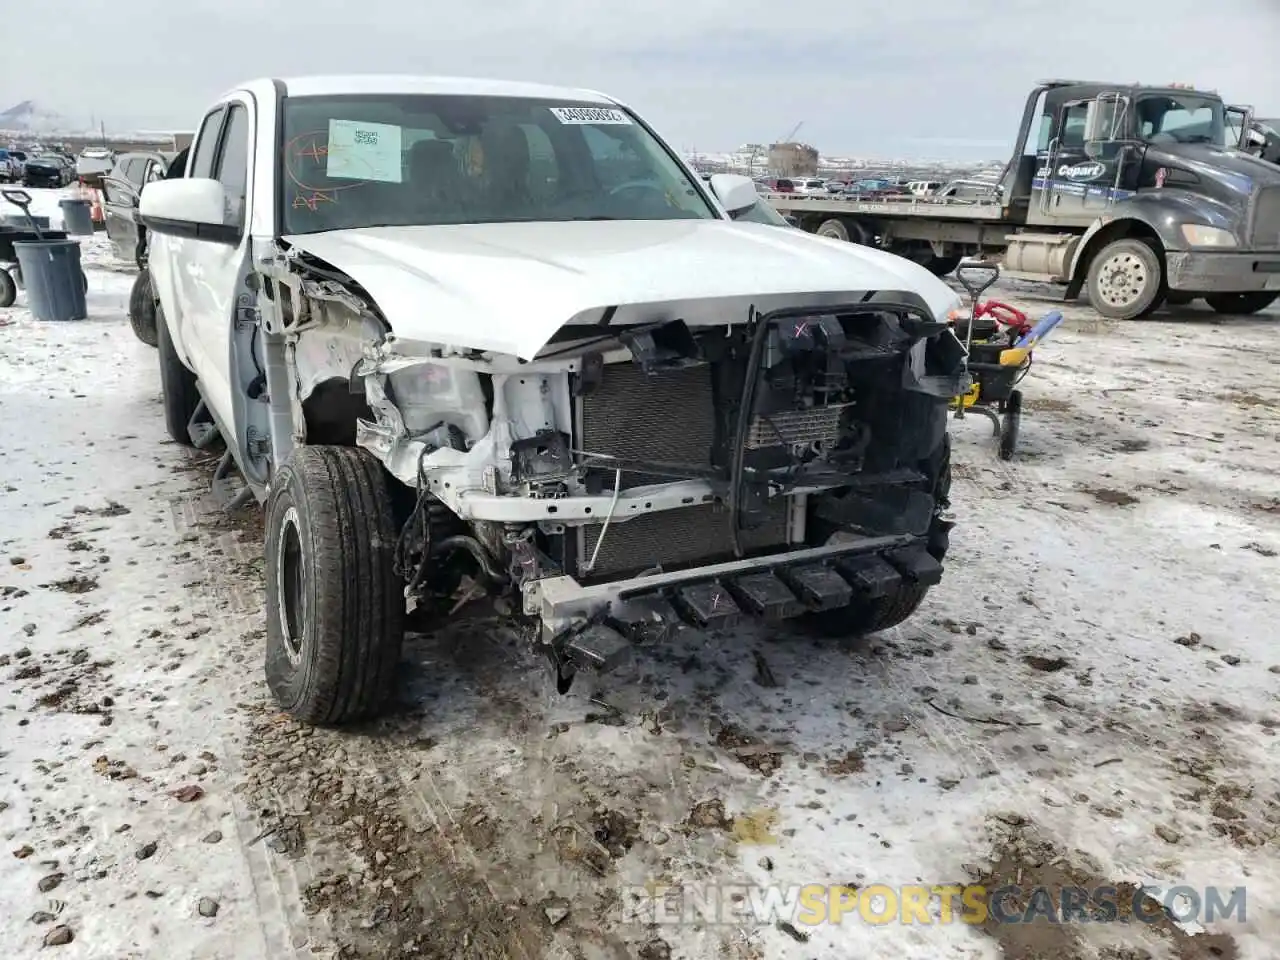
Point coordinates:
[(1141, 194)]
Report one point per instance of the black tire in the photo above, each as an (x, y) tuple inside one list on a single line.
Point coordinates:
[(8, 288), (833, 228), (860, 619), (142, 309), (335, 605), (941, 266), (1126, 279), (1010, 424), (178, 390), (1241, 304)]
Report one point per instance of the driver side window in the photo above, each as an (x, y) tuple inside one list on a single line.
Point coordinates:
[(1072, 133)]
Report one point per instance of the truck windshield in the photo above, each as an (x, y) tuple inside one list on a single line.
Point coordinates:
[(406, 160), (1182, 119)]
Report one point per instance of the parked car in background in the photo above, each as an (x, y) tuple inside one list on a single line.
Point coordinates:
[(8, 166), (46, 170), (780, 185), (129, 237), (94, 162), (811, 185), (923, 188), (121, 189)]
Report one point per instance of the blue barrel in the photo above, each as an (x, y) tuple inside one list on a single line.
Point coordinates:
[(77, 217), (53, 279)]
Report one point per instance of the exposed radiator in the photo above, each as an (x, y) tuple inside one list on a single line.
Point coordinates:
[(676, 537), (668, 416), (797, 428)]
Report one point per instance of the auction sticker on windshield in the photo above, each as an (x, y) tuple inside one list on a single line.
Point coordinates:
[(359, 150), (590, 115)]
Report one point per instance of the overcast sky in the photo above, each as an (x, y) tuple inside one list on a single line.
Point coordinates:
[(893, 77)]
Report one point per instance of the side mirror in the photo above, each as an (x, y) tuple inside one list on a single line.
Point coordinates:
[(734, 192), (1104, 117), (194, 208)]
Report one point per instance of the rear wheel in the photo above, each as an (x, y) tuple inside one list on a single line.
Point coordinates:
[(335, 604), (1241, 304), (178, 391), (142, 309), (8, 288), (1126, 279), (833, 228), (941, 266)]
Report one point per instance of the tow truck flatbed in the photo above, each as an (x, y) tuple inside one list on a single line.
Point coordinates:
[(939, 209)]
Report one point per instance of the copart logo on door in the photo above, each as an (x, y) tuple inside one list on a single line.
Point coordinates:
[(1089, 170)]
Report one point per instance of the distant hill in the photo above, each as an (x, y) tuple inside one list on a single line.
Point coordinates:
[(30, 117)]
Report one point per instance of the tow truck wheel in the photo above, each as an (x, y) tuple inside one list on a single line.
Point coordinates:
[(833, 228), (1241, 304), (941, 266), (335, 603), (178, 391), (1126, 280)]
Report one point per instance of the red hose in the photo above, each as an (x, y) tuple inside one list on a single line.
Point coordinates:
[(1004, 315)]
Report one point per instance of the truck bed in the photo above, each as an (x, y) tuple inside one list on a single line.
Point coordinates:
[(916, 207)]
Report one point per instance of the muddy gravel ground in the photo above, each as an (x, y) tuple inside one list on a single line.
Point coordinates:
[(1088, 700)]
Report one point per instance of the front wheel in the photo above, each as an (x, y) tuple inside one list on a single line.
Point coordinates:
[(8, 288), (859, 619), (1126, 280), (1241, 304), (335, 604)]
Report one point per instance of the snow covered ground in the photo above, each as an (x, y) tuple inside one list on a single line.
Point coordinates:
[(1089, 698)]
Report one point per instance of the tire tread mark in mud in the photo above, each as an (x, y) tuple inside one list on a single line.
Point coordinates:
[(276, 884)]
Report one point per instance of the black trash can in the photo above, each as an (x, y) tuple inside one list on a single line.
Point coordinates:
[(77, 217), (53, 279)]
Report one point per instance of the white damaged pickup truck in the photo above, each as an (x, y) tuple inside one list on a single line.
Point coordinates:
[(469, 336)]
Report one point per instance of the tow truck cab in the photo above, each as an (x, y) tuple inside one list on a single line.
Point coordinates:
[(1100, 163)]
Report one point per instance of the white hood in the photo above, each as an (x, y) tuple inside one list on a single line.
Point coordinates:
[(508, 287)]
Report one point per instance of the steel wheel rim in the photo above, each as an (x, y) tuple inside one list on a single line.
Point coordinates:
[(288, 574), (1122, 279)]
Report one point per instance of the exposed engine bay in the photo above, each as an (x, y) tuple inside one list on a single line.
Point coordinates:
[(624, 455)]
